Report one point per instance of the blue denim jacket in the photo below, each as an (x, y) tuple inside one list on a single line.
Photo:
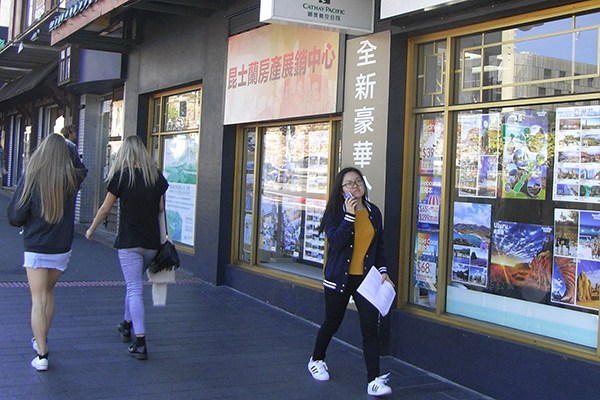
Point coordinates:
[(339, 229)]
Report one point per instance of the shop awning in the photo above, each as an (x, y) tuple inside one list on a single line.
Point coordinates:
[(27, 82)]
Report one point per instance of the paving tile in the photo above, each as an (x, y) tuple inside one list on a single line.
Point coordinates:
[(207, 343)]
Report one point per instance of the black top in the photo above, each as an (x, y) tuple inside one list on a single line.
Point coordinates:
[(138, 219)]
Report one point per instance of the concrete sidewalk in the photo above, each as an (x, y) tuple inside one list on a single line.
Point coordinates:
[(207, 343)]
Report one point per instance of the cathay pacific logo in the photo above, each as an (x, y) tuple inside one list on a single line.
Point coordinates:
[(324, 1)]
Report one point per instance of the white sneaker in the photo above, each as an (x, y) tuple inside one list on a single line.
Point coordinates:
[(40, 363), (318, 369), (378, 387)]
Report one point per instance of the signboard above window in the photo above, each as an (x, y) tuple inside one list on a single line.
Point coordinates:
[(277, 72), (354, 17), (392, 8)]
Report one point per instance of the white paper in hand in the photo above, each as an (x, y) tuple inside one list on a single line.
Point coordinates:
[(381, 295)]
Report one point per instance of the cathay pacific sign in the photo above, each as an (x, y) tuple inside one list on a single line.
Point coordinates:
[(354, 17)]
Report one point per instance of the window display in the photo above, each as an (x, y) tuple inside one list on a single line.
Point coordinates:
[(523, 212), (175, 142), (292, 190), (429, 182)]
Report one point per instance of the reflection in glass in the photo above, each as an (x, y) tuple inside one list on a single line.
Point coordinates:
[(431, 74), (156, 115), (543, 59), (182, 111)]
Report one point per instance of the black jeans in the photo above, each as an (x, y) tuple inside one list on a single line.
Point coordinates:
[(335, 308)]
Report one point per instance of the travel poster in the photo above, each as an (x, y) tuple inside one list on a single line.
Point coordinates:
[(471, 243), (521, 261), (577, 266), (477, 152), (426, 259), (428, 209), (577, 154), (431, 145), (525, 155)]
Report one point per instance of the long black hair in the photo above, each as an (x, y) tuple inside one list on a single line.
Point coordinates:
[(336, 195)]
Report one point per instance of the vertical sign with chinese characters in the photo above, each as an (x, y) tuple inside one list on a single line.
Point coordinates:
[(365, 117)]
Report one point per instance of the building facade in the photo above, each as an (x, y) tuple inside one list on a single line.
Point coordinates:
[(476, 124)]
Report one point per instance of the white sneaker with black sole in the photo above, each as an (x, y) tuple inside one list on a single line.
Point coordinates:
[(379, 387), (318, 369), (40, 362)]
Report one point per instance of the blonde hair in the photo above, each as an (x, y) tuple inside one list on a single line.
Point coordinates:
[(51, 174), (131, 155)]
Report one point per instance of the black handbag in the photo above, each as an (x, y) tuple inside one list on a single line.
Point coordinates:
[(167, 257)]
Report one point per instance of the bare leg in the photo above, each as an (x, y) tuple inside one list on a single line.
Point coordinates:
[(41, 285)]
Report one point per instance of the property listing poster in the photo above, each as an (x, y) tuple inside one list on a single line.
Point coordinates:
[(576, 267), (314, 243), (428, 210), (521, 261), (269, 221), (426, 260), (525, 154), (577, 155), (292, 208), (478, 148), (431, 145), (180, 169), (471, 243)]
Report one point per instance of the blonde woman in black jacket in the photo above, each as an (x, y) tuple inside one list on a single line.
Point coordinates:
[(44, 205)]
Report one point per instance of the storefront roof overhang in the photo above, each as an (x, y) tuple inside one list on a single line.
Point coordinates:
[(27, 82), (95, 28), (29, 52)]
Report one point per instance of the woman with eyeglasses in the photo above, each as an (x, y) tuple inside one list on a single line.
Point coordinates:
[(354, 230)]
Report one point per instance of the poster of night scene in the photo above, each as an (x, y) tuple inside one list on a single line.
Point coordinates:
[(471, 243), (525, 155), (521, 261)]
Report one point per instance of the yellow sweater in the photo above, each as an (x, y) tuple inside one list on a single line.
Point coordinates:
[(363, 235)]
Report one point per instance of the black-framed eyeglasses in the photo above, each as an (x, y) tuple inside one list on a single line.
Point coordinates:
[(351, 184)]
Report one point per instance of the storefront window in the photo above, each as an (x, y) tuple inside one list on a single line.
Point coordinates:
[(291, 194), (428, 199), (247, 200), (431, 74), (522, 182), (175, 141)]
